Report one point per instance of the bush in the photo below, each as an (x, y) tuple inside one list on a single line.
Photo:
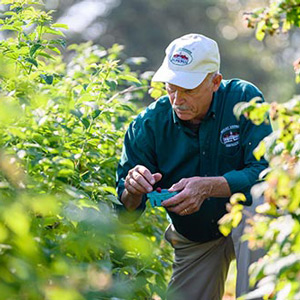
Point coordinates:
[(276, 224), (62, 126)]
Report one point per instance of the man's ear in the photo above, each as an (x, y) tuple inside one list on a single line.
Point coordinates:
[(217, 81)]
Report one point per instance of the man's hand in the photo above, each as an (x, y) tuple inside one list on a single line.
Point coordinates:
[(138, 182), (193, 191)]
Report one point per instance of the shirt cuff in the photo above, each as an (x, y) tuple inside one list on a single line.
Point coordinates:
[(124, 215), (238, 181)]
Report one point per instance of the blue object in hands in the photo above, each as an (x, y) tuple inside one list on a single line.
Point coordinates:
[(156, 198)]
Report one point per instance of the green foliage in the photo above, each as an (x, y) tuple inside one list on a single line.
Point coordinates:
[(157, 90), (62, 126), (276, 224), (255, 110), (279, 16), (234, 217)]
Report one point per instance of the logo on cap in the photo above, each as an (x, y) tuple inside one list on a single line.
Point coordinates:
[(181, 57)]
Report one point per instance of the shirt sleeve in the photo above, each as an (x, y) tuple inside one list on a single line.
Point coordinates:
[(250, 136), (137, 150)]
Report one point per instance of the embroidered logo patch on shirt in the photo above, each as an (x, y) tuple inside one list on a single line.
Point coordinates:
[(181, 57), (230, 135)]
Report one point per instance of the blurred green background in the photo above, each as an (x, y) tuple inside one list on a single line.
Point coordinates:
[(91, 249), (145, 27)]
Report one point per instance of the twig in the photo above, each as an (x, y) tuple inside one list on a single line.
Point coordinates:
[(128, 90)]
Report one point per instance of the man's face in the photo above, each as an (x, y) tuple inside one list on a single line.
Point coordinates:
[(192, 105)]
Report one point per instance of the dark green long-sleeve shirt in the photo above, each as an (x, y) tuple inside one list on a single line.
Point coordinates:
[(222, 146)]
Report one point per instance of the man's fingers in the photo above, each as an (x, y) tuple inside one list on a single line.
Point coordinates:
[(134, 187), (132, 190), (173, 201), (185, 208), (141, 180), (146, 174), (182, 209), (186, 211)]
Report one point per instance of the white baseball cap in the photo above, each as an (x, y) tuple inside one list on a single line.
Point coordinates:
[(188, 60)]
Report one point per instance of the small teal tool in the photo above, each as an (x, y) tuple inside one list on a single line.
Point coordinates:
[(156, 197)]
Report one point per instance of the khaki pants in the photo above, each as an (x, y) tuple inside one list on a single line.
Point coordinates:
[(244, 256), (199, 269)]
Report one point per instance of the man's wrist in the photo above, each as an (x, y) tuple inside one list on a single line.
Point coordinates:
[(219, 187), (131, 201)]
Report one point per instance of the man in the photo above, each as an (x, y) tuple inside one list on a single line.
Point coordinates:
[(190, 142)]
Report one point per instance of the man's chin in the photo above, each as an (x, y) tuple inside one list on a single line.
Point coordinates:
[(184, 115)]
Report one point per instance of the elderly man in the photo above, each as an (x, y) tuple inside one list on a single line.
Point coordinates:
[(190, 142)]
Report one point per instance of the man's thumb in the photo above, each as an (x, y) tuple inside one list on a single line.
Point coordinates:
[(157, 177)]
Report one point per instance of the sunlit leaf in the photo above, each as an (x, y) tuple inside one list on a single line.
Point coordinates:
[(57, 25), (129, 78), (236, 198), (260, 150), (260, 31)]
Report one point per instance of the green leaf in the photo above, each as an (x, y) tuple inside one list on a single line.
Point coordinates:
[(112, 84), (9, 27), (114, 199), (68, 163), (60, 42), (108, 189), (44, 54), (96, 113), (55, 49), (57, 25), (260, 30), (126, 107), (260, 150), (156, 90), (85, 122), (65, 173), (236, 198), (225, 229), (9, 13), (240, 108), (53, 31), (155, 93), (34, 48), (129, 78), (47, 78), (32, 61), (77, 113)]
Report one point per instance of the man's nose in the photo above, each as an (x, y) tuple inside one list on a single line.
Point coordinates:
[(178, 98)]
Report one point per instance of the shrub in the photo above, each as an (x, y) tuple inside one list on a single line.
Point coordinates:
[(62, 126), (276, 224)]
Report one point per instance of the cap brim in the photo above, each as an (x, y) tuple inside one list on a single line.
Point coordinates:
[(186, 80)]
